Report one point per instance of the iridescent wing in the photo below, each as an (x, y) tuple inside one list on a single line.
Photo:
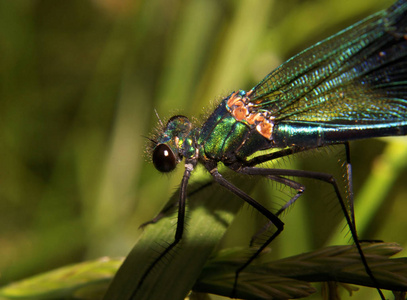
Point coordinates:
[(358, 76)]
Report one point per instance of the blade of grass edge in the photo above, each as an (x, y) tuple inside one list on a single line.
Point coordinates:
[(209, 213)]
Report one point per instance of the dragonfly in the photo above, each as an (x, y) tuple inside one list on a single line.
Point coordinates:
[(350, 86)]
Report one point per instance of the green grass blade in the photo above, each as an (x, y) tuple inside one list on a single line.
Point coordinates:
[(287, 278), (87, 280), (209, 213), (290, 277)]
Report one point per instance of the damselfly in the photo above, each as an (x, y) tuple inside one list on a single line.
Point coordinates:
[(350, 86)]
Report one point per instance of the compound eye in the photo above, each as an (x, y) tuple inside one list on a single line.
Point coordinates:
[(164, 159)]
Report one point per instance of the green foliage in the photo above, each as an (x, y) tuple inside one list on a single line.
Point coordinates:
[(287, 278), (86, 280)]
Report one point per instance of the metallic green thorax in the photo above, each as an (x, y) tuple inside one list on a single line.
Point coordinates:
[(221, 138)]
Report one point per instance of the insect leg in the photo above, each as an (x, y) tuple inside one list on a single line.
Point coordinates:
[(287, 182), (268, 214), (328, 178), (189, 166), (170, 206)]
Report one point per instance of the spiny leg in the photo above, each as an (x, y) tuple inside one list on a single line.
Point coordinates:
[(189, 166), (268, 214), (291, 184), (328, 178), (349, 181), (349, 214)]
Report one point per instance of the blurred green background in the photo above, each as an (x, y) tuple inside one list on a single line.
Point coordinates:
[(79, 84)]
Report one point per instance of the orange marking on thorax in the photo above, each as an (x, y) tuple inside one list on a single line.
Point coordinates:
[(240, 110)]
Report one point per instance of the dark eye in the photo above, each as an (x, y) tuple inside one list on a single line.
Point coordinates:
[(164, 159)]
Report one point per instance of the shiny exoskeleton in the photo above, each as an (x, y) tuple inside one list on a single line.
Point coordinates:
[(350, 86)]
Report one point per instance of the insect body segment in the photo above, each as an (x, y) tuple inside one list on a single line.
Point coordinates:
[(241, 108)]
